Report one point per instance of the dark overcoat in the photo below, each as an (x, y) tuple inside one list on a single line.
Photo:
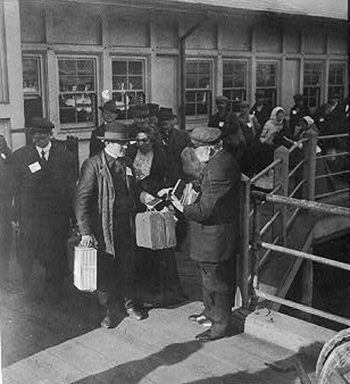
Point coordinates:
[(96, 144), (95, 198), (43, 194), (214, 217)]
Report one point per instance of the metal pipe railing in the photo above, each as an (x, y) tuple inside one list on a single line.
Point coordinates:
[(331, 174), (337, 192), (291, 173), (296, 144), (337, 136), (264, 257), (297, 187), (332, 155), (303, 204), (303, 308), (292, 218), (269, 223), (265, 170), (307, 256)]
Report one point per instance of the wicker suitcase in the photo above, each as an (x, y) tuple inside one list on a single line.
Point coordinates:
[(85, 269)]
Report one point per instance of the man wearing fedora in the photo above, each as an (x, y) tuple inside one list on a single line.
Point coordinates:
[(42, 181), (105, 205), (110, 113), (214, 220)]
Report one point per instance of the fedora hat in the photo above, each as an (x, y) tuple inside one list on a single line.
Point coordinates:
[(110, 106), (166, 114), (116, 131), (139, 111)]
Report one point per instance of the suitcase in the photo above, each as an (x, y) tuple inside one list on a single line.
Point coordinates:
[(155, 230), (85, 269)]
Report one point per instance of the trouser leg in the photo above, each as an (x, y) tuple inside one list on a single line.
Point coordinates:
[(5, 248)]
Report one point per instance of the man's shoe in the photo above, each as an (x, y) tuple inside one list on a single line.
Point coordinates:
[(196, 318), (208, 335), (136, 313)]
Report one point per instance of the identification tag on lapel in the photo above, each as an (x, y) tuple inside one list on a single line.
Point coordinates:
[(34, 167), (221, 124), (128, 171)]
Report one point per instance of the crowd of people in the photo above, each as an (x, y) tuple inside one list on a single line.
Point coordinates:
[(129, 165)]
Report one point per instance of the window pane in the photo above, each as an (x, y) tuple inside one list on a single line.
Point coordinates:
[(84, 107), (228, 82), (135, 82), (204, 81), (31, 76), (204, 68), (67, 67), (191, 68), (85, 83), (312, 73), (190, 97), (85, 67), (135, 68), (119, 67), (191, 81), (227, 68), (260, 76)]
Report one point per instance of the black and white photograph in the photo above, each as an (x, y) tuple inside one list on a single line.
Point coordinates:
[(174, 192)]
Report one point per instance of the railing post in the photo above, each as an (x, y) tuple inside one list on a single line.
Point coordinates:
[(254, 281), (242, 265), (281, 178), (309, 149)]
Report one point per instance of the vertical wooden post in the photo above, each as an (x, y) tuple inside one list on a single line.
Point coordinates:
[(281, 178), (309, 149), (242, 264), (182, 73), (309, 173)]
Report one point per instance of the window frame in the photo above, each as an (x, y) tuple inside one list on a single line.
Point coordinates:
[(206, 116), (144, 62), (39, 58), (339, 86), (78, 125), (319, 87), (246, 79), (277, 80)]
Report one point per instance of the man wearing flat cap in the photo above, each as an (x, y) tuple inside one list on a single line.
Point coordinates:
[(42, 181), (260, 109), (110, 113), (297, 112), (229, 125), (105, 205), (214, 230)]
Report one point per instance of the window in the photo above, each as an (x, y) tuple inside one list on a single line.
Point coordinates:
[(336, 79), (128, 83), (312, 84), (266, 82), (78, 90), (235, 80), (32, 87), (198, 87)]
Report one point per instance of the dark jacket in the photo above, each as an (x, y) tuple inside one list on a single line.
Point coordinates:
[(5, 198), (47, 191), (95, 198), (295, 115), (214, 216), (178, 140), (96, 144), (156, 179), (262, 115)]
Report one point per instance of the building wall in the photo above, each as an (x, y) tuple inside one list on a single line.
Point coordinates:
[(11, 99), (107, 33)]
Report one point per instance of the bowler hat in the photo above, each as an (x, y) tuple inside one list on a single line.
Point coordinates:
[(165, 114), (205, 136), (116, 131), (298, 97), (236, 106), (139, 110), (41, 124), (110, 106)]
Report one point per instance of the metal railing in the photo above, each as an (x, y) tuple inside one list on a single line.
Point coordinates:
[(272, 248)]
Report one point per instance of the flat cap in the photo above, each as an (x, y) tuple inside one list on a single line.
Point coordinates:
[(153, 109), (205, 136), (41, 124), (166, 114), (221, 99)]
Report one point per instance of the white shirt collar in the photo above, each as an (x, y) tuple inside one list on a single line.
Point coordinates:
[(45, 149)]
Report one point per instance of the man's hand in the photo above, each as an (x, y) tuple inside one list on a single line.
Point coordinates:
[(164, 192), (87, 241)]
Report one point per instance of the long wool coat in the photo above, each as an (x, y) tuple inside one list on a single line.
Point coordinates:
[(214, 217), (95, 198)]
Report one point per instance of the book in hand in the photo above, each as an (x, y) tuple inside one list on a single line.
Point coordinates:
[(185, 192)]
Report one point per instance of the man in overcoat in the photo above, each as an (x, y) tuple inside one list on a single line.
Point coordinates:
[(105, 206), (110, 113), (214, 231), (42, 181), (297, 112)]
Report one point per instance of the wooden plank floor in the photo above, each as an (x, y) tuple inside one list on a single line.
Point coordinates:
[(45, 344)]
